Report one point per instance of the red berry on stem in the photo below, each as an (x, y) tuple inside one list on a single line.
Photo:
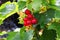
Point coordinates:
[(25, 19), (34, 21), (30, 16), (27, 23), (27, 12)]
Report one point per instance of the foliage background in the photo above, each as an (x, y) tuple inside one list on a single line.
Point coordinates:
[(47, 13)]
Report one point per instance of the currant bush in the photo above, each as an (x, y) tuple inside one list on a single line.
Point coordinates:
[(29, 20)]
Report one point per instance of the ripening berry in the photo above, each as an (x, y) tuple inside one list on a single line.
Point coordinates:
[(27, 12), (34, 21)]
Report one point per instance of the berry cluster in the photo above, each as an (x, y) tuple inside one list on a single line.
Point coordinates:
[(29, 19)]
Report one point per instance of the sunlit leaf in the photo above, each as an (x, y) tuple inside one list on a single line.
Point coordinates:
[(7, 10)]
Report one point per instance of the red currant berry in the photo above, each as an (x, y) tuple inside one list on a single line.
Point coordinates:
[(27, 23), (34, 21), (30, 16), (25, 19), (27, 12)]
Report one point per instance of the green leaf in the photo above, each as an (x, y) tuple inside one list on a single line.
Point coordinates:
[(55, 26), (26, 35), (46, 17), (52, 2), (52, 26), (54, 7), (57, 15), (57, 38), (29, 6), (7, 10), (17, 36), (21, 4), (48, 35), (13, 36), (45, 2), (35, 4)]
